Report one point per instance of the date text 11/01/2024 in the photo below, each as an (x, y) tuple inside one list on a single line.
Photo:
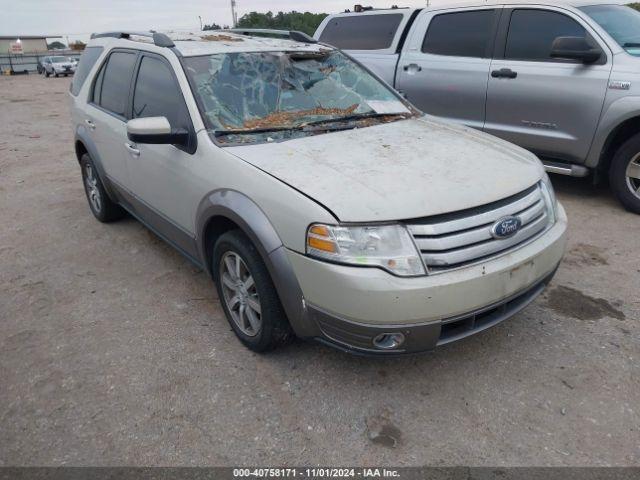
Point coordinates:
[(315, 473)]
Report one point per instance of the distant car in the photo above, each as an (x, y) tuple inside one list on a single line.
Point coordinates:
[(57, 66)]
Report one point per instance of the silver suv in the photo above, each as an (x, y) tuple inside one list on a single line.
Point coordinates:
[(321, 202), (562, 81), (57, 66)]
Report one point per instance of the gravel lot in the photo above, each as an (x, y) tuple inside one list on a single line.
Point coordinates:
[(114, 349)]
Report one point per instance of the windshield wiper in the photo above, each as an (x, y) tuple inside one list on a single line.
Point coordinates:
[(351, 118), (631, 45), (243, 131), (303, 126)]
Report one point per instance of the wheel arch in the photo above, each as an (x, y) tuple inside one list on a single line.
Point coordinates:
[(223, 210), (616, 138), (83, 144)]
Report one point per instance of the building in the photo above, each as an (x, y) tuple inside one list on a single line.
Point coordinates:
[(23, 54), (25, 43)]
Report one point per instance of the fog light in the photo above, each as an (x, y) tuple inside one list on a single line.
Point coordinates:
[(389, 341)]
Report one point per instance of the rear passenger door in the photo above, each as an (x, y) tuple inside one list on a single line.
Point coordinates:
[(444, 68), (163, 175), (106, 114), (547, 105)]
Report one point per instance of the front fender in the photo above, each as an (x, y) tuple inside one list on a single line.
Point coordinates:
[(245, 213)]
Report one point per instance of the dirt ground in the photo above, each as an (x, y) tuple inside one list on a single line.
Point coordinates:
[(114, 349)]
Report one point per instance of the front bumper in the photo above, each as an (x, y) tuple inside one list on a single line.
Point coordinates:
[(349, 307), (62, 70)]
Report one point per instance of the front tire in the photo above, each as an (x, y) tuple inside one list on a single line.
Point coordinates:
[(247, 294), (102, 207), (624, 175)]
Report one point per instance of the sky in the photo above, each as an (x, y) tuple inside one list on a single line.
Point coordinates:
[(77, 19)]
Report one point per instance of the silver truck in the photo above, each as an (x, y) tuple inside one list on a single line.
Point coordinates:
[(562, 81), (320, 201)]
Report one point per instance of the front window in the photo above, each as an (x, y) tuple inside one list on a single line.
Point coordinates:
[(265, 96), (59, 59), (620, 22)]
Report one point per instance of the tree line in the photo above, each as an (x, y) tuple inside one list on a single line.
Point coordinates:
[(306, 22)]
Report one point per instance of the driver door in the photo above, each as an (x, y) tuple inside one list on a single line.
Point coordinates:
[(547, 105)]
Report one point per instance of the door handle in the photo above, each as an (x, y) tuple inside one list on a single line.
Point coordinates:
[(413, 67), (90, 124), (133, 150), (504, 73)]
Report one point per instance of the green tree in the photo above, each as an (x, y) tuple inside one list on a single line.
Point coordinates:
[(213, 26), (306, 22), (56, 45), (635, 5)]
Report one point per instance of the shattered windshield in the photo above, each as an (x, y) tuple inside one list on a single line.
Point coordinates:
[(251, 94)]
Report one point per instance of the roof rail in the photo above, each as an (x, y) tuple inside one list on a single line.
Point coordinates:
[(294, 35), (159, 39)]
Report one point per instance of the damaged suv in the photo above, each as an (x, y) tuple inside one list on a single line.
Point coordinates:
[(321, 202)]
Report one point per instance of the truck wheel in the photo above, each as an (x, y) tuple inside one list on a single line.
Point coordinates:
[(102, 207), (247, 294), (624, 175), (46, 73)]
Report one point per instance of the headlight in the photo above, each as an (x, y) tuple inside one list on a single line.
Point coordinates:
[(389, 247), (549, 199)]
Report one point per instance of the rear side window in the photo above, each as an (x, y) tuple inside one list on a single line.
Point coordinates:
[(156, 94), (461, 34), (532, 32), (111, 90), (362, 32), (87, 60)]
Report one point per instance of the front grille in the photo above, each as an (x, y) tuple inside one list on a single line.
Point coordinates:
[(458, 239)]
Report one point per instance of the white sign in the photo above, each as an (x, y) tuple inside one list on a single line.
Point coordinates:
[(16, 48)]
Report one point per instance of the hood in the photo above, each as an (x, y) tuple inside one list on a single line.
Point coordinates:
[(398, 171)]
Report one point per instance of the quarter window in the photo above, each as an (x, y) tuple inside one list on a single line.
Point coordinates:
[(461, 34), (156, 94), (532, 33), (362, 32), (111, 90), (87, 60)]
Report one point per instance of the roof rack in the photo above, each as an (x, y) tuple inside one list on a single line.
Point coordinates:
[(358, 8), (294, 35), (159, 39)]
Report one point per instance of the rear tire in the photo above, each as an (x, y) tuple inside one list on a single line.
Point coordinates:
[(102, 207), (247, 294), (624, 174)]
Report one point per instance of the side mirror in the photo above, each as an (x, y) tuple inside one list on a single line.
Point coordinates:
[(155, 130), (575, 48)]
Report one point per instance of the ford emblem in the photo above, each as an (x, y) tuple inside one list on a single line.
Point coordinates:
[(506, 227)]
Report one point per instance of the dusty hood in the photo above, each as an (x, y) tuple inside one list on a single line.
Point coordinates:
[(401, 170)]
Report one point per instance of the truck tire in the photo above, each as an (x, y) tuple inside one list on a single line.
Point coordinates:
[(247, 294), (624, 174)]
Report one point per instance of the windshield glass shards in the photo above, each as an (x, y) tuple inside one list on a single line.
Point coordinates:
[(281, 95)]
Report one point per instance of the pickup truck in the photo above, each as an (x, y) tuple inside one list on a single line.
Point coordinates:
[(560, 81)]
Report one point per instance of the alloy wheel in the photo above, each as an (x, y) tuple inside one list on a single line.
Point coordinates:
[(633, 175), (240, 294), (91, 184)]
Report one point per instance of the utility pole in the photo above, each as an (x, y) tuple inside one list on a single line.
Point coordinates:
[(200, 18), (234, 15)]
